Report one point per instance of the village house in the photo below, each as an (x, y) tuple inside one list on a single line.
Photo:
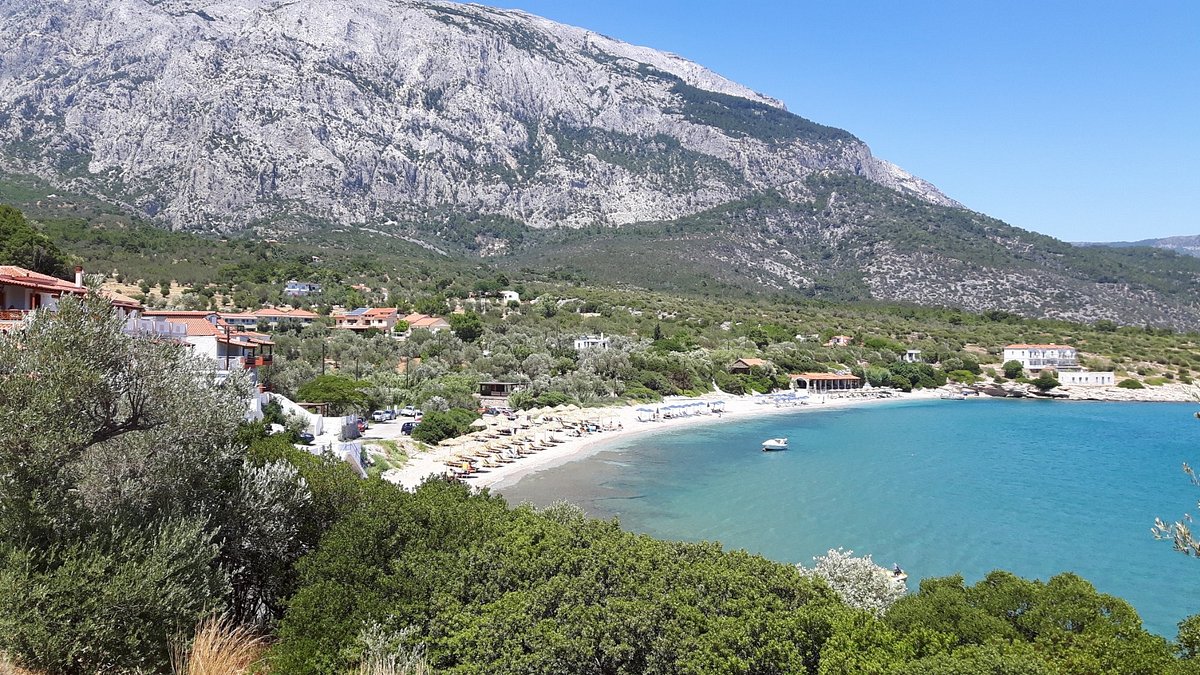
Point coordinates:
[(297, 289), (839, 341), (432, 324), (911, 356), (365, 318), (230, 347), (1036, 357), (1087, 378), (23, 291), (272, 317), (743, 366), (591, 341), (246, 320)]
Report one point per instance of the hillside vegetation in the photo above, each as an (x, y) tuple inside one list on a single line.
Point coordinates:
[(144, 507)]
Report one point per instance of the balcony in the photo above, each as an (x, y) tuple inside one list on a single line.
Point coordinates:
[(157, 329), (14, 314), (256, 361)]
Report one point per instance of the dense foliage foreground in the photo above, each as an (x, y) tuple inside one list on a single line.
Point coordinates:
[(134, 504)]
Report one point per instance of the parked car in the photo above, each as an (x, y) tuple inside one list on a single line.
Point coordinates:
[(379, 416), (306, 438), (361, 424), (410, 411), (407, 428), (390, 414)]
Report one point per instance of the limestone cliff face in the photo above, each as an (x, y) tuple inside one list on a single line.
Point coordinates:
[(212, 114)]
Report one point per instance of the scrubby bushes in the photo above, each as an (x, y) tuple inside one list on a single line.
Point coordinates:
[(437, 426), (1130, 383)]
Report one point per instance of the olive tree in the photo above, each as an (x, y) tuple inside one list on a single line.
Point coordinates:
[(127, 510), (1178, 532)]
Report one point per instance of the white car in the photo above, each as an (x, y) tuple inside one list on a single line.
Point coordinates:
[(410, 411)]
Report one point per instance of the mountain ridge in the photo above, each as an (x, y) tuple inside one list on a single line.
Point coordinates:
[(223, 115), (1186, 244), (480, 132)]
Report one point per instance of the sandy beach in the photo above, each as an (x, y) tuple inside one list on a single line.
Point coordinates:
[(615, 423)]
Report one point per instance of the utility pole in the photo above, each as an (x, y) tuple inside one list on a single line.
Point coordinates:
[(322, 356)]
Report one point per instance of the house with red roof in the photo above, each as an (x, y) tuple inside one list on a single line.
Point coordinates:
[(274, 317), (364, 318), (432, 324), (230, 347), (1035, 357), (23, 291)]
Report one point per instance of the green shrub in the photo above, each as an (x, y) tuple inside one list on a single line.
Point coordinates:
[(1130, 384), (437, 425), (110, 603), (1013, 369)]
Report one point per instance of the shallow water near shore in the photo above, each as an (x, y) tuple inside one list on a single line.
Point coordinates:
[(941, 487)]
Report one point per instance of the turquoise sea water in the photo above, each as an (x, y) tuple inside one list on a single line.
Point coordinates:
[(941, 487)]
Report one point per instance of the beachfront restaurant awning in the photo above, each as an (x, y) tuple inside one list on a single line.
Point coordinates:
[(822, 382)]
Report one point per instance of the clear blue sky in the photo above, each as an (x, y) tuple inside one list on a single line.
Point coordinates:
[(1079, 120)]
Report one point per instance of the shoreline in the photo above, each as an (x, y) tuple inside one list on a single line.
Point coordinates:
[(622, 422), (627, 420)]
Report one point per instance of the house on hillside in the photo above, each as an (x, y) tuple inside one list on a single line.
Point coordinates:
[(1036, 357), (24, 291), (273, 317), (364, 318), (911, 356), (509, 296), (591, 342), (743, 366), (839, 341), (432, 324), (231, 348), (246, 320), (297, 289)]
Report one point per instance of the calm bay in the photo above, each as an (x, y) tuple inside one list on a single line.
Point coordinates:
[(940, 487)]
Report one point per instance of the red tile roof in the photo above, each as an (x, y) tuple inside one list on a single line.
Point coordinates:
[(19, 276), (381, 313), (753, 362), (118, 300)]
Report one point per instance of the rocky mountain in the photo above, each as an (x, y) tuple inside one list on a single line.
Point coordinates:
[(1185, 245), (475, 131), (223, 114)]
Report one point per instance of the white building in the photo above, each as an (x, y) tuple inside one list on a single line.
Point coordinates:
[(1086, 378), (1036, 357), (911, 356), (590, 341), (509, 296), (298, 288)]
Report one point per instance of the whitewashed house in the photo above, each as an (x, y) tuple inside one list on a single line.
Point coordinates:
[(1087, 378), (591, 342), (1036, 357)]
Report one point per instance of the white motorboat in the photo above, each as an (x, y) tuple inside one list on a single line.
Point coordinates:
[(774, 444)]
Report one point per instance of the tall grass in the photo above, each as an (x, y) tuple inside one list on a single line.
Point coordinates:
[(220, 648)]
